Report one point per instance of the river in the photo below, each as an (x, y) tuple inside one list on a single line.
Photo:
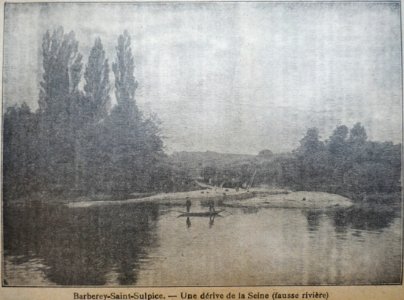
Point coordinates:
[(147, 244)]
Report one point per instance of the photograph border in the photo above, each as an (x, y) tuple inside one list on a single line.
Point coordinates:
[(69, 288)]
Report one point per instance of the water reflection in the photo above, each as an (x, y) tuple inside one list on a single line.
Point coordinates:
[(144, 244), (361, 218), (356, 218), (188, 205), (313, 219), (80, 246), (211, 221), (250, 210)]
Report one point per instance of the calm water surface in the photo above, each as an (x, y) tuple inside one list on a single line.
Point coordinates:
[(149, 245)]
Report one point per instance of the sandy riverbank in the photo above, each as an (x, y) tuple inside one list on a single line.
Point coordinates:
[(254, 197), (215, 194), (314, 200)]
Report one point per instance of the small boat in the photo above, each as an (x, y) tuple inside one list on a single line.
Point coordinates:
[(201, 214)]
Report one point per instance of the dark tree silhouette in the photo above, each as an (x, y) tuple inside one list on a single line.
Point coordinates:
[(347, 164), (338, 140), (357, 134), (135, 147), (76, 144), (20, 152), (97, 85), (60, 115), (97, 95)]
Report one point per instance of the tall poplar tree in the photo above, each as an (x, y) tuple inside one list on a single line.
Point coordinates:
[(97, 94), (60, 103), (97, 86), (125, 122), (136, 146)]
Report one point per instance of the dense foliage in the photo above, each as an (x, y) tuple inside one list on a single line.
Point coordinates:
[(78, 143), (347, 163), (75, 143)]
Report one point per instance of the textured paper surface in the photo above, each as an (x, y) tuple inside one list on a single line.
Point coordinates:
[(188, 92)]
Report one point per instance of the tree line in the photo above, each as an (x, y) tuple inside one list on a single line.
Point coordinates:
[(76, 142), (346, 163)]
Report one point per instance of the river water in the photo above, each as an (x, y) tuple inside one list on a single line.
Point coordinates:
[(150, 245)]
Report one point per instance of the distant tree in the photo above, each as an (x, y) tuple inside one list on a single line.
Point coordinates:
[(310, 144), (357, 134), (370, 177), (265, 153), (289, 173), (337, 141), (338, 155), (312, 160), (348, 165), (209, 174), (357, 143)]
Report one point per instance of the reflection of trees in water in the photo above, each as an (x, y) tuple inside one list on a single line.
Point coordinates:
[(357, 218), (313, 219), (80, 246), (362, 218), (250, 210)]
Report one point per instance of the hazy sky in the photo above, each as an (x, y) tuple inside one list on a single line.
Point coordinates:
[(233, 77)]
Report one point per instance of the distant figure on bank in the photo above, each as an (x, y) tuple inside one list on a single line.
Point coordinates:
[(188, 222), (211, 206), (188, 205)]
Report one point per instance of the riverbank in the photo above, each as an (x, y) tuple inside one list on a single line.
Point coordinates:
[(208, 193), (302, 199), (254, 197)]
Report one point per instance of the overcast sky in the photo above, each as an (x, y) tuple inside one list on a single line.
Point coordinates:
[(233, 77)]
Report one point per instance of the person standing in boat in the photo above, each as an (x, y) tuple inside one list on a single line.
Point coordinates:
[(211, 204), (188, 205)]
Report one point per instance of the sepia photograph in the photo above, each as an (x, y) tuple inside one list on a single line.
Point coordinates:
[(202, 144)]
